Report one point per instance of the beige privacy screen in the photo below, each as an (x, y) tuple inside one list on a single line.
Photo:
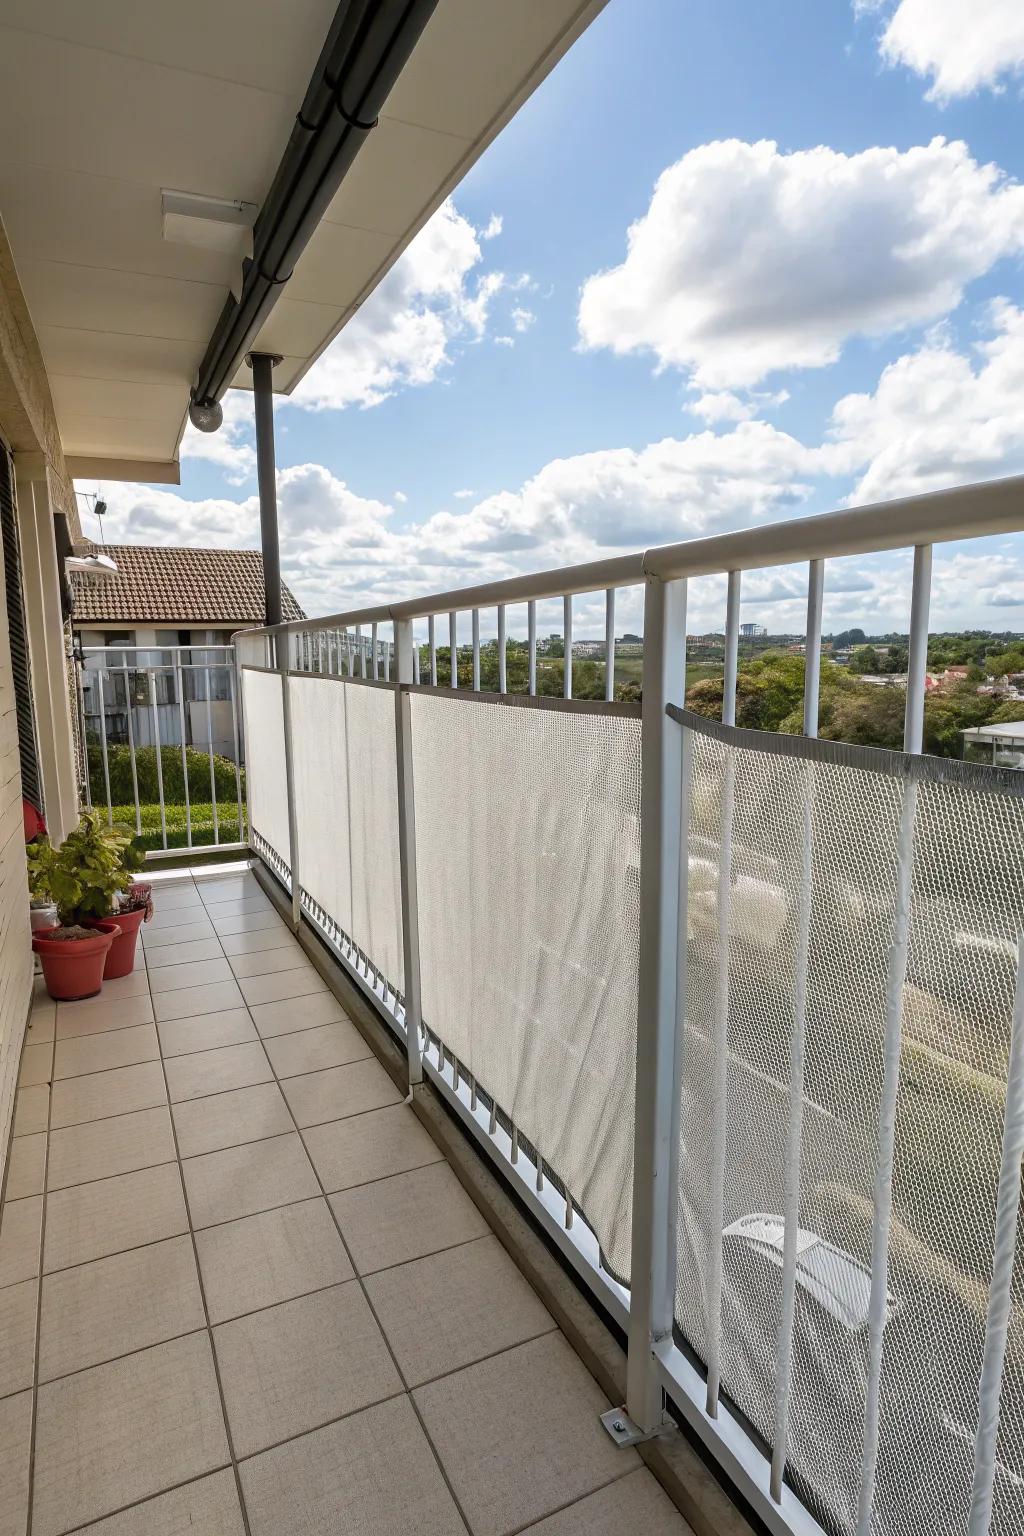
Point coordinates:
[(967, 910), (528, 875), (346, 802), (265, 783)]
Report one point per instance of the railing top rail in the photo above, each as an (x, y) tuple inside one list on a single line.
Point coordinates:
[(936, 517), (196, 646)]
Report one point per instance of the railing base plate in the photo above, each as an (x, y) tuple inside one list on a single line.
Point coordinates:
[(625, 1432)]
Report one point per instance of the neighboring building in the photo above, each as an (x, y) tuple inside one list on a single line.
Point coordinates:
[(752, 631), (167, 609)]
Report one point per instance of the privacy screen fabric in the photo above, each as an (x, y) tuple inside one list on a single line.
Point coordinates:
[(834, 813), (265, 782), (527, 834), (346, 799)]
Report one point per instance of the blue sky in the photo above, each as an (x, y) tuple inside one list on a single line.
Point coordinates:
[(822, 303)]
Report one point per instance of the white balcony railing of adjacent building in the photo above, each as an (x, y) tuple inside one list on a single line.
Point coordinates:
[(739, 1016)]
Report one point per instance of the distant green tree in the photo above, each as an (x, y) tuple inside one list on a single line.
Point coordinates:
[(865, 660)]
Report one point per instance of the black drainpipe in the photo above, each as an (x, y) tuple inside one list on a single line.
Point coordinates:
[(366, 50)]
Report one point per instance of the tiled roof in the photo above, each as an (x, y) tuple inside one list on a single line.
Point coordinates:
[(158, 584)]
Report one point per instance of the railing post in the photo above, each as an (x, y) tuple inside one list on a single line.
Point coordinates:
[(405, 650), (653, 1262), (282, 647)]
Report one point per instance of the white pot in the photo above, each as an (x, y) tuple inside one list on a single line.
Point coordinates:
[(43, 914)]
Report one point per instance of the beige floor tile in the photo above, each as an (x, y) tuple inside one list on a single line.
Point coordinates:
[(175, 893), (90, 1221), (102, 1014), (230, 1119), (166, 938), (26, 1166), (303, 981), (242, 1180), (165, 920), (20, 1232), (99, 1149), (311, 1050), (232, 906), (261, 1260), (339, 1092), (520, 1435), (318, 1009), (206, 1032), (181, 954), (99, 1053), (351, 1466), (283, 957), (42, 1023), (32, 1110), (293, 1367), (117, 1305), (119, 1432), (229, 887), (455, 1320), (16, 1440), (247, 943), (251, 922), (192, 1001), (100, 1094), (407, 1217), (17, 1337), (370, 1146), (208, 1507), (236, 1066), (633, 1503), (174, 978), (36, 1064)]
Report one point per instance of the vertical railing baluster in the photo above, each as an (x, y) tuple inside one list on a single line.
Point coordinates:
[(350, 670), (159, 757), (209, 739), (87, 786), (656, 1118), (237, 737), (567, 645), (178, 676), (453, 650), (531, 624), (476, 650), (103, 743), (387, 661), (131, 753), (878, 1302), (432, 642), (289, 780), (375, 674), (609, 644), (405, 651), (719, 1132), (791, 1232), (502, 655), (1000, 1295)]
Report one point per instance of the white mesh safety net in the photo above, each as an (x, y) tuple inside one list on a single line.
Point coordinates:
[(527, 839), (265, 780), (346, 810), (966, 912)]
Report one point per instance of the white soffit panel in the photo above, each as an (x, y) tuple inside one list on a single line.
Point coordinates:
[(104, 105)]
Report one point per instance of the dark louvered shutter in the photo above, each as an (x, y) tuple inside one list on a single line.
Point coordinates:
[(20, 665)]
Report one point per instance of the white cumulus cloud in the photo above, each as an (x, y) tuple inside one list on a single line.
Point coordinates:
[(750, 260), (959, 47)]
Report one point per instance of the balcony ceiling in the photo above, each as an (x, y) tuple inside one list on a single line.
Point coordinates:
[(104, 105)]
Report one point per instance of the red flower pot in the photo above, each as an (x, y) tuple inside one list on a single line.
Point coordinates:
[(121, 958), (73, 968)]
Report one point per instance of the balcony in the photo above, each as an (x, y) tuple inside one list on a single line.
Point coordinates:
[(735, 1018)]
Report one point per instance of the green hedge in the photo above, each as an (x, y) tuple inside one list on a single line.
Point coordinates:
[(119, 766), (177, 834)]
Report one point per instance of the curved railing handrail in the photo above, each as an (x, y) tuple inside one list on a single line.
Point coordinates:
[(935, 517)]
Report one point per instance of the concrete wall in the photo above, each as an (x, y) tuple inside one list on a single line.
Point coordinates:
[(29, 427)]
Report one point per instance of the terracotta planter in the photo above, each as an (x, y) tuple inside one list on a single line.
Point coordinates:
[(121, 958), (73, 968)]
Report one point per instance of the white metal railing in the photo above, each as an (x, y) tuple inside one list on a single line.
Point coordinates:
[(161, 731), (396, 648)]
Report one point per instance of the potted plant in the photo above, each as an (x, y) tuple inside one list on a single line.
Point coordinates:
[(42, 905), (134, 906), (84, 877)]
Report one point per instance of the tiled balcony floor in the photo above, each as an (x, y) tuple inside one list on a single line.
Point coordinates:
[(242, 1291)]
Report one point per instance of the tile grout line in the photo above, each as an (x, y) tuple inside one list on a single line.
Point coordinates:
[(30, 1511), (206, 1309), (372, 1310)]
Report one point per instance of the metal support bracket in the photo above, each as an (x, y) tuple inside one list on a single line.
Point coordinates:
[(624, 1431)]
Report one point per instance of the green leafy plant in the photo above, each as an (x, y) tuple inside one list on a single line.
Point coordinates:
[(86, 873)]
